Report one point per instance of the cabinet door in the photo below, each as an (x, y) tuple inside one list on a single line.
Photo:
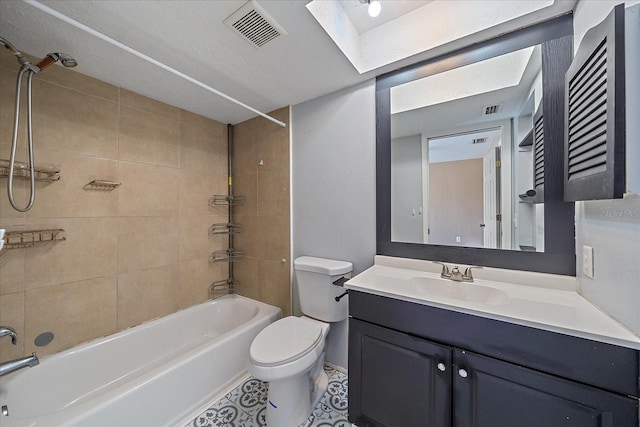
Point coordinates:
[(396, 379), (490, 393)]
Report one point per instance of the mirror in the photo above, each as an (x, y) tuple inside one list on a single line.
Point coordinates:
[(461, 159), (455, 160)]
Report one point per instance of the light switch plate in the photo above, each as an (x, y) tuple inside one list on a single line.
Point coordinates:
[(587, 261)]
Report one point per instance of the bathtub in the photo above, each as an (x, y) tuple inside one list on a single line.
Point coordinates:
[(156, 374)]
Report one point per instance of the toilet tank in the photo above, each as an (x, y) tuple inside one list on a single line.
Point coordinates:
[(316, 291)]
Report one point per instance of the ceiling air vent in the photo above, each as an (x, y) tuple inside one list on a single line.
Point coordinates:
[(479, 140), (254, 24), (491, 109)]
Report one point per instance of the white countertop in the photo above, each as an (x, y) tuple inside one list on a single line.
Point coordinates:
[(550, 306)]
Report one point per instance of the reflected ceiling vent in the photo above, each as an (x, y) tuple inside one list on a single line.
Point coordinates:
[(491, 109), (254, 24), (479, 140)]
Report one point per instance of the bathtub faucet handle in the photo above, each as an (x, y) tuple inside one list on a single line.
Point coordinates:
[(5, 330)]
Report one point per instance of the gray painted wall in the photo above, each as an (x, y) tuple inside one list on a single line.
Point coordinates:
[(333, 190), (612, 227)]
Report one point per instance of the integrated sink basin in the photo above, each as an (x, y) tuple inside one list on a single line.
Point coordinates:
[(460, 291), (538, 300)]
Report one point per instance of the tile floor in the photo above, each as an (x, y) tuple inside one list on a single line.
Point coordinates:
[(245, 406)]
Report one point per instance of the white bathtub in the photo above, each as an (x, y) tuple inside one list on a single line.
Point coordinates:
[(155, 374)]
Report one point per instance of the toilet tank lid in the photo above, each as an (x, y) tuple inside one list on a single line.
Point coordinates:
[(330, 267)]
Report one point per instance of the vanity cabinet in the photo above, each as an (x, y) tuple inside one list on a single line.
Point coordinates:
[(402, 380), (416, 365)]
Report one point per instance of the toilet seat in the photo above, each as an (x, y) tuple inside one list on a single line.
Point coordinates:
[(285, 340)]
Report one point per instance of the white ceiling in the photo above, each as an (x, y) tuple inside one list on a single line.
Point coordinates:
[(190, 36), (359, 15)]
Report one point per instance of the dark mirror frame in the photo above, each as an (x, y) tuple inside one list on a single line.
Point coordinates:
[(556, 38)]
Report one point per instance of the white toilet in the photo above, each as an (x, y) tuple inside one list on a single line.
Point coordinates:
[(289, 353)]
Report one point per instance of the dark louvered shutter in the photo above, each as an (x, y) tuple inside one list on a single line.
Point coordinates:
[(538, 156), (594, 113)]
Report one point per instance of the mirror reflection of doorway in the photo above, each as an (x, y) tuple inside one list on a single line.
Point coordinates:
[(462, 181)]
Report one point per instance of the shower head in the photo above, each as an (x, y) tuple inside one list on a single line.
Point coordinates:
[(67, 60), (64, 59)]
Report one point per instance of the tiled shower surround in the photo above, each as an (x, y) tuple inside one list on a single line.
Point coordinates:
[(132, 254), (261, 174)]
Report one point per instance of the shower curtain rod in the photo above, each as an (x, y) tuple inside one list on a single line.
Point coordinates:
[(87, 29)]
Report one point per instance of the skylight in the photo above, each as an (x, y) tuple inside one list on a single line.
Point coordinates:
[(433, 24)]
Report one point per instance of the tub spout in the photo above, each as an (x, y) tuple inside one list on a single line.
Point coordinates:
[(5, 330), (14, 365)]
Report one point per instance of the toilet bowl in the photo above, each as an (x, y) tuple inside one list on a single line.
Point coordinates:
[(289, 353)]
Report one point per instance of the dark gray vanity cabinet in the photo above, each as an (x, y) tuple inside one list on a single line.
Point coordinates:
[(403, 380), (415, 365), (489, 393)]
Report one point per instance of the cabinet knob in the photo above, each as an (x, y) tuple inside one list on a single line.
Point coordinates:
[(442, 367), (463, 373)]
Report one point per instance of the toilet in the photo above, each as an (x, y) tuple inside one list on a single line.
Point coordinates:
[(289, 353)]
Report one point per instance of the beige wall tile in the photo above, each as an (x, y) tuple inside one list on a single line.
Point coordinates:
[(195, 191), (247, 241), (147, 242), (194, 278), (11, 270), (273, 193), (70, 196), (247, 186), (245, 150), (273, 149), (266, 211), (281, 114), (89, 251), (203, 148), (273, 237), (149, 105), (246, 272), (149, 138), (74, 312), (82, 83), (148, 190), (195, 241), (274, 278), (147, 294), (67, 120), (21, 198), (211, 126), (12, 315)]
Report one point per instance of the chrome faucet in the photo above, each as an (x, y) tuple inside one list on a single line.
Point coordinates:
[(14, 365), (5, 330), (455, 274)]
